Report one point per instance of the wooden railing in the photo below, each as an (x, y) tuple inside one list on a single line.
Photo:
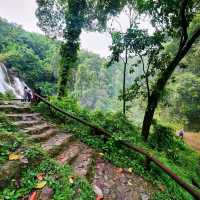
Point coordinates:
[(148, 157)]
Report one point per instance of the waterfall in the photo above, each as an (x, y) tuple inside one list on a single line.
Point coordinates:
[(10, 82), (19, 86), (6, 74)]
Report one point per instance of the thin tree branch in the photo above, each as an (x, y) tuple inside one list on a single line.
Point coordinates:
[(122, 59), (190, 42), (146, 76)]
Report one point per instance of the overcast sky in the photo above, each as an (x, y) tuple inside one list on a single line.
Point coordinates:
[(22, 12)]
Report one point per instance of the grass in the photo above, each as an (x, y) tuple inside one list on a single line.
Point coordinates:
[(57, 176), (177, 155)]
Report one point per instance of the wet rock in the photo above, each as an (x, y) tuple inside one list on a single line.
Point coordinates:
[(106, 191), (46, 194), (144, 196), (8, 171), (97, 191), (24, 161), (135, 196)]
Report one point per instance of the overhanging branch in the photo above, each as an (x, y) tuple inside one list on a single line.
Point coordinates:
[(191, 41)]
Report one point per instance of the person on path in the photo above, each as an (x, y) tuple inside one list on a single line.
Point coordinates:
[(181, 133), (25, 94), (29, 94)]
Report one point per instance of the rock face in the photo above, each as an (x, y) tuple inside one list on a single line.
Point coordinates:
[(108, 181)]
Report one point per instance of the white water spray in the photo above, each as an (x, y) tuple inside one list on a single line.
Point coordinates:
[(10, 82)]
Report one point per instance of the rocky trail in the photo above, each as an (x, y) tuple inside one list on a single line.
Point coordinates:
[(108, 181)]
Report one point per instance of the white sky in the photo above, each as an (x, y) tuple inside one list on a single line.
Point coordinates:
[(22, 12)]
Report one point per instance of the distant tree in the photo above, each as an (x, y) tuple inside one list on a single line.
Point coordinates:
[(66, 19), (184, 99), (136, 48), (121, 49), (92, 80)]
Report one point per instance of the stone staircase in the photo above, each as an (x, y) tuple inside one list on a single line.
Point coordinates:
[(66, 149)]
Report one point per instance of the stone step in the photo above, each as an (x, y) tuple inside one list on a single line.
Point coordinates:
[(83, 163), (118, 183), (13, 102), (55, 144), (14, 109), (28, 123), (44, 136), (39, 129), (24, 116), (69, 153)]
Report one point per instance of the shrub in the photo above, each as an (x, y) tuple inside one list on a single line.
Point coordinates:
[(8, 95), (164, 139)]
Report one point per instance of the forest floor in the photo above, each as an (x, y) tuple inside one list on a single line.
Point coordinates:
[(193, 139)]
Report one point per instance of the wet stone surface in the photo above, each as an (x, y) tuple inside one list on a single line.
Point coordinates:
[(82, 164), (119, 184), (45, 194)]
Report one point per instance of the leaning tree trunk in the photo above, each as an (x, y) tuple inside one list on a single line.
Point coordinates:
[(160, 85)]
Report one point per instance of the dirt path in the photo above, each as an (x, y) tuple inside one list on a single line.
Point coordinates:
[(193, 139)]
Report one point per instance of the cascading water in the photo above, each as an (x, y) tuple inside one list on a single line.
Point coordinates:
[(19, 86), (10, 82)]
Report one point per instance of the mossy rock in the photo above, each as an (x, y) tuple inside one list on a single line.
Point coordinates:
[(9, 170)]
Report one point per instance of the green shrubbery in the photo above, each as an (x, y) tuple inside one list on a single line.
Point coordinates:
[(57, 178), (8, 95), (6, 124), (163, 139), (163, 144)]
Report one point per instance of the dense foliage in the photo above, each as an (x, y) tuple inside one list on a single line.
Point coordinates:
[(96, 86), (170, 149), (29, 54), (169, 55)]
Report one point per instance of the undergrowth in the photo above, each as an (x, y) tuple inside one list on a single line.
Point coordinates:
[(163, 143), (8, 95), (56, 176)]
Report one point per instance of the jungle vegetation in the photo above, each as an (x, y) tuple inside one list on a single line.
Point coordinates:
[(144, 92)]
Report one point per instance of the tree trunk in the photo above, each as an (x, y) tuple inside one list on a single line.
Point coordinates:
[(62, 74), (68, 58), (74, 22), (160, 85), (124, 90), (124, 82)]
